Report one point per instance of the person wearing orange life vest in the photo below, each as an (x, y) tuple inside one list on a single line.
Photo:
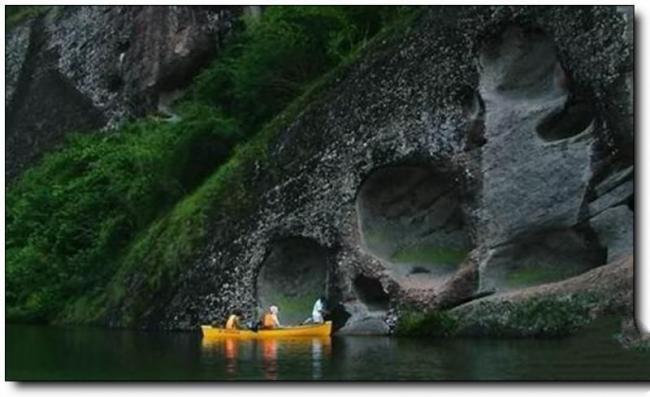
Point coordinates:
[(234, 320), (270, 318)]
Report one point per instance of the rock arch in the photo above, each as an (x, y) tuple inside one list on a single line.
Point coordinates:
[(370, 291), (293, 275)]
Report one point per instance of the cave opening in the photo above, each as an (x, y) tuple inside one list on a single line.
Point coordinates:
[(410, 217), (370, 291), (572, 120), (542, 257), (292, 276), (521, 63)]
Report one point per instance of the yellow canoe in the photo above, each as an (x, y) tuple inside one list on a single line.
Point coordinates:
[(311, 330)]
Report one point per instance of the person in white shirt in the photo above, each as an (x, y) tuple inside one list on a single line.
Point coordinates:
[(318, 312)]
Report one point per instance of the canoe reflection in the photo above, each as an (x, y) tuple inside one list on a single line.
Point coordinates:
[(270, 358), (241, 357), (231, 349)]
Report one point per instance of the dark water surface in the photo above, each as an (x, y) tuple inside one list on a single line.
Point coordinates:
[(52, 353)]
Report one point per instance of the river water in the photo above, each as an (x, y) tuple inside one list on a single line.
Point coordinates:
[(53, 353)]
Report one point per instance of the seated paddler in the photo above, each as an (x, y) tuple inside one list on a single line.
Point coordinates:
[(234, 320)]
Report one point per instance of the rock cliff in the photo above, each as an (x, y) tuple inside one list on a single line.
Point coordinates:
[(486, 149), (85, 68), (478, 150)]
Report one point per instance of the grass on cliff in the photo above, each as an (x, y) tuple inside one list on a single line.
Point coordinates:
[(69, 219), (109, 208), (276, 58), (223, 196)]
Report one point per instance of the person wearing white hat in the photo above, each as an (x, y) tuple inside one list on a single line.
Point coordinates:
[(270, 318)]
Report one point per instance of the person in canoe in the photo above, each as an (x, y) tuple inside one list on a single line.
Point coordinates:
[(319, 311), (234, 320), (270, 318)]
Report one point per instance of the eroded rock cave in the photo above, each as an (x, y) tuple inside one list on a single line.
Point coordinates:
[(576, 118), (540, 258), (371, 293), (410, 218), (533, 193), (293, 275), (520, 63)]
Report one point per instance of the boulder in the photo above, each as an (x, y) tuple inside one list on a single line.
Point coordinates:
[(363, 321), (553, 309)]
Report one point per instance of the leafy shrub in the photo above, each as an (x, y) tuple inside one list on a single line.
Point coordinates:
[(275, 58), (136, 201), (69, 218)]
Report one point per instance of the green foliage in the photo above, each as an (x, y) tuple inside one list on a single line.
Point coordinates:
[(134, 204), (276, 58), (14, 15), (69, 218), (160, 252), (431, 324)]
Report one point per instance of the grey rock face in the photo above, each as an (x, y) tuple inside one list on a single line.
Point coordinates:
[(615, 229), (615, 190), (611, 213), (530, 102), (82, 68), (536, 159), (508, 103), (16, 46)]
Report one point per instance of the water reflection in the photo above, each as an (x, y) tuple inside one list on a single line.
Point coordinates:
[(268, 356), (320, 349), (231, 349), (52, 353)]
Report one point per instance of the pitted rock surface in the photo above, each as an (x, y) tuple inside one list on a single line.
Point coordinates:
[(81, 68)]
